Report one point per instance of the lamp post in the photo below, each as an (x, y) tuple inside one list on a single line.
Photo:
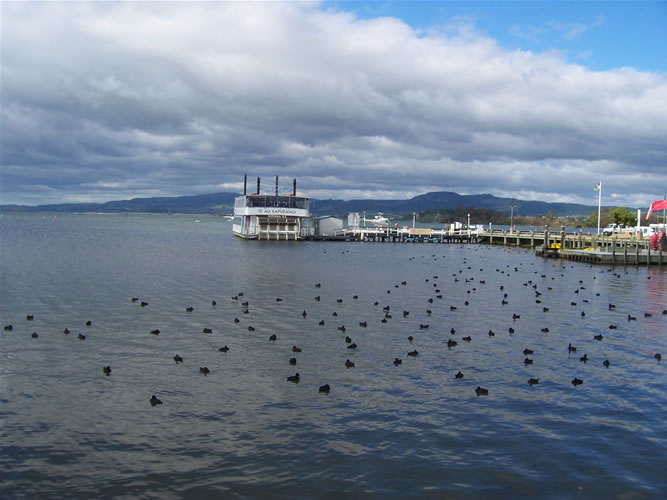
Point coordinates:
[(468, 222), (512, 216)]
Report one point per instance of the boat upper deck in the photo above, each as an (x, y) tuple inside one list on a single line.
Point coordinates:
[(271, 201)]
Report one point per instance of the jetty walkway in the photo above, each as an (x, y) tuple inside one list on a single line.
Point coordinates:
[(584, 247)]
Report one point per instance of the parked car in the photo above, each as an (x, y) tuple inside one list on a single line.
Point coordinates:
[(613, 229)]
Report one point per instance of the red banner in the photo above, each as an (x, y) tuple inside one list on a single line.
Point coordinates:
[(657, 205)]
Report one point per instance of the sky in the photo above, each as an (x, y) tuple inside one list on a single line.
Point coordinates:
[(534, 100)]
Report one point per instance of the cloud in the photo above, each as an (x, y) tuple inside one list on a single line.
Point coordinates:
[(118, 100)]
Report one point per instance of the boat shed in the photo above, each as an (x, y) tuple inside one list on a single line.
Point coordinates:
[(327, 225)]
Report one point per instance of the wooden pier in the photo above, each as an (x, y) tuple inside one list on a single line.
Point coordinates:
[(582, 247)]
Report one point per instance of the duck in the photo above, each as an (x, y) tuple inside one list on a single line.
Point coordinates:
[(296, 349), (134, 299), (144, 304), (632, 318), (533, 381), (82, 336), (451, 343), (155, 401), (9, 328), (214, 303), (410, 338), (107, 370), (204, 370), (613, 327), (516, 316), (571, 348), (273, 337), (584, 358), (458, 375), (34, 335), (452, 331), (278, 299), (467, 338), (224, 348), (598, 337), (156, 331), (325, 389), (352, 346), (189, 309), (178, 359), (88, 323), (527, 361), (510, 330), (251, 328), (583, 314), (658, 356), (413, 353), (397, 361), (492, 333), (30, 317), (545, 330), (576, 381), (341, 328), (207, 330), (406, 314), (317, 298), (321, 323), (292, 361), (606, 363), (294, 378), (304, 313), (349, 364), (423, 327), (481, 391), (348, 340), (363, 324), (236, 320), (245, 304)]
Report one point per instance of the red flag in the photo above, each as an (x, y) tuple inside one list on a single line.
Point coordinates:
[(656, 205)]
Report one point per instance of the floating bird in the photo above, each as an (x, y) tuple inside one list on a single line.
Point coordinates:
[(341, 328), (82, 336), (30, 317), (510, 329), (292, 361), (317, 298), (213, 303), (155, 401), (9, 328), (236, 320), (571, 348), (224, 349), (144, 304), (451, 343), (352, 346), (492, 333), (88, 323), (413, 353), (527, 351), (34, 335), (363, 324), (527, 361), (577, 381), (632, 318), (318, 285), (533, 381), (406, 313), (189, 309), (304, 314), (349, 364), (156, 331), (658, 356), (294, 378), (606, 363), (516, 316), (584, 358), (612, 306), (545, 330), (480, 391), (207, 330), (598, 337), (107, 370), (134, 299), (423, 327), (178, 359), (273, 337), (410, 338), (321, 323), (278, 299), (452, 331), (583, 314), (466, 339), (325, 388), (397, 361), (458, 375), (613, 327), (647, 315), (204, 370), (245, 304), (296, 349)]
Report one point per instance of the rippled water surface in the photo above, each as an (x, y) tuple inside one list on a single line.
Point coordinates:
[(243, 430)]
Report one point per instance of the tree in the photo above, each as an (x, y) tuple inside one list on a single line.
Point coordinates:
[(621, 215)]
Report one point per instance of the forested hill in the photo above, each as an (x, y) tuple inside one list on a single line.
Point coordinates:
[(222, 203)]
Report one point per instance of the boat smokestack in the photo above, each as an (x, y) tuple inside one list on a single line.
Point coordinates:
[(294, 187), (257, 185), (245, 184), (276, 185)]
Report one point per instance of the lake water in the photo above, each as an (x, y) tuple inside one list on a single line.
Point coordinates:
[(244, 431)]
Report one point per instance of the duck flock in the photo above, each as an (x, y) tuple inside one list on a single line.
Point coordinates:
[(434, 301)]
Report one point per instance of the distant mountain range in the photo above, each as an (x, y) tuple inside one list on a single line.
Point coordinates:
[(223, 203)]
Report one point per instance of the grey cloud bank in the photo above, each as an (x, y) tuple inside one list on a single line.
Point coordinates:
[(112, 101)]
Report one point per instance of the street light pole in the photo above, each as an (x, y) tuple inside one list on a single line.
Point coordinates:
[(512, 216)]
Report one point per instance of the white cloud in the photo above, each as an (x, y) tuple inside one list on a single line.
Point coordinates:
[(182, 98)]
